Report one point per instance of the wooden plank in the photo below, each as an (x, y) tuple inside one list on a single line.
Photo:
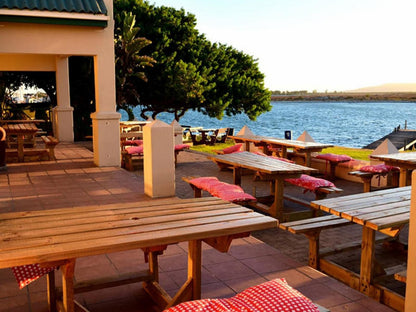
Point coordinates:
[(84, 248), (318, 225), (71, 225), (67, 235)]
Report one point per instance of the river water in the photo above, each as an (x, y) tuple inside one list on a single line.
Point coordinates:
[(353, 124)]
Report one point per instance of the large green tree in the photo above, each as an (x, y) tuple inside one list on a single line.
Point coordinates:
[(191, 72)]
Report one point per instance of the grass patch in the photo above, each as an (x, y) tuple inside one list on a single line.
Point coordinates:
[(356, 153)]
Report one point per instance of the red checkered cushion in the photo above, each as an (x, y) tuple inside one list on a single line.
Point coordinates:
[(231, 193), (135, 150), (181, 147), (334, 157), (232, 149), (379, 168), (275, 295), (310, 183), (26, 274), (132, 142)]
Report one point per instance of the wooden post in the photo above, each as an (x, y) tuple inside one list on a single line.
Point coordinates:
[(367, 260), (194, 267), (68, 285)]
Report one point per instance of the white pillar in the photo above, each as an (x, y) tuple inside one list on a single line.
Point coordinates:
[(159, 160), (106, 143), (62, 114), (177, 132), (410, 301)]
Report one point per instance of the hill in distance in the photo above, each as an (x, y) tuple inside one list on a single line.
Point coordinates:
[(388, 87)]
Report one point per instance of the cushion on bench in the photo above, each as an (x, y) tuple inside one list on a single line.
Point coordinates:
[(132, 142), (135, 150), (381, 168), (275, 295), (310, 183), (181, 147), (232, 149), (225, 191), (334, 157), (27, 274)]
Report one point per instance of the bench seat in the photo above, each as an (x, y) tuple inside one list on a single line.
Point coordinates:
[(50, 144), (226, 191), (320, 187), (366, 174), (312, 228)]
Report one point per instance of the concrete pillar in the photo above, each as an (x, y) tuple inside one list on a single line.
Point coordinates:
[(410, 301), (177, 132), (159, 160), (106, 143), (62, 114)]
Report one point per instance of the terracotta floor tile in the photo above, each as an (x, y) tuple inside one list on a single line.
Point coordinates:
[(230, 270)]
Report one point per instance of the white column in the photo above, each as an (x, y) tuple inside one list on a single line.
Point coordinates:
[(159, 160), (106, 142), (410, 301), (63, 124), (177, 132)]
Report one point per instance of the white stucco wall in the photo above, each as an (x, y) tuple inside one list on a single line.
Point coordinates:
[(37, 47)]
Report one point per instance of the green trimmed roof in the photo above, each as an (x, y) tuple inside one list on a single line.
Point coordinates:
[(76, 6)]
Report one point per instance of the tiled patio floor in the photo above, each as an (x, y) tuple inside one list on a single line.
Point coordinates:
[(73, 180)]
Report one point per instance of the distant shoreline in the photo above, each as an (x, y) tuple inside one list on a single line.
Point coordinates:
[(348, 97)]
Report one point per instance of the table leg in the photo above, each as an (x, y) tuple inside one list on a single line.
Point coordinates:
[(194, 267), (20, 153), (308, 161), (367, 260), (237, 175), (403, 177), (276, 210), (284, 152), (68, 285), (50, 280)]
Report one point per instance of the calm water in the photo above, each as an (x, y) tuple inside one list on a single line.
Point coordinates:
[(346, 124)]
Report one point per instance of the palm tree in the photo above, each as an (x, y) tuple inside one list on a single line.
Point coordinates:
[(129, 64)]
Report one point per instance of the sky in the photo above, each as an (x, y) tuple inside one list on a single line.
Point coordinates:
[(322, 45)]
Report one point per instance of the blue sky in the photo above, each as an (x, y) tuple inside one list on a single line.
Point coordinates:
[(333, 45)]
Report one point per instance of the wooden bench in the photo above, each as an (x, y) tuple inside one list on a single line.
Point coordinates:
[(366, 178), (312, 228), (320, 192), (199, 190), (50, 143), (32, 154)]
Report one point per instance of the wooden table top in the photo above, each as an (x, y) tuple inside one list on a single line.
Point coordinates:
[(405, 158), (51, 235), (376, 210), (19, 128), (261, 163)]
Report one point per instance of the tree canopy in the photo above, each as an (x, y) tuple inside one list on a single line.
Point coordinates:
[(191, 72)]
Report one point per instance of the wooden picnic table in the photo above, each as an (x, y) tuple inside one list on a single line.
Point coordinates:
[(20, 130), (385, 211), (267, 168), (60, 236), (406, 162), (303, 147)]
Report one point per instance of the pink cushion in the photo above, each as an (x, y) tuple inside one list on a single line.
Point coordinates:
[(181, 147), (26, 274), (379, 168), (310, 183), (228, 192), (135, 149), (231, 193), (132, 142), (334, 157), (232, 149), (275, 295)]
